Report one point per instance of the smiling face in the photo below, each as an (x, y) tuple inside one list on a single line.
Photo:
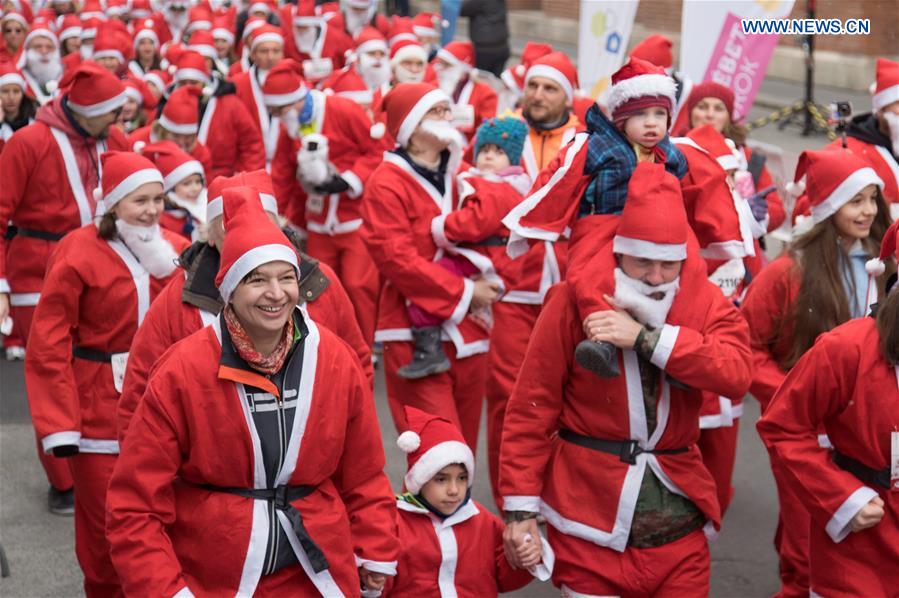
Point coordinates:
[(265, 298), (447, 489), (853, 221), (647, 127), (141, 207)]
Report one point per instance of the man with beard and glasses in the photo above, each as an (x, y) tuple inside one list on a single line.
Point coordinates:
[(615, 469), (321, 189), (473, 102), (266, 50), (49, 170), (41, 62), (316, 44), (414, 184)]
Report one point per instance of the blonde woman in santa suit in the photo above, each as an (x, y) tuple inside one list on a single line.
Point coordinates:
[(847, 384), (818, 284), (100, 281)]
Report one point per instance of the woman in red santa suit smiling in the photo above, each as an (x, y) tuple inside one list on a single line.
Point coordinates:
[(100, 281)]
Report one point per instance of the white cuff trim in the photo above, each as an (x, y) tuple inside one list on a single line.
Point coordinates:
[(665, 346), (530, 504), (4, 286), (67, 438), (464, 303), (438, 232), (387, 568), (839, 525), (355, 184)]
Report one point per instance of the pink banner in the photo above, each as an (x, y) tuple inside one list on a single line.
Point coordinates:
[(739, 63)]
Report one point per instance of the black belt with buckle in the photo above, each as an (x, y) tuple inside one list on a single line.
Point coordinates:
[(43, 235), (626, 450), (868, 475), (91, 354)]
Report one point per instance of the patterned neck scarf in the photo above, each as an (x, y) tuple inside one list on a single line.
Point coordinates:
[(266, 364)]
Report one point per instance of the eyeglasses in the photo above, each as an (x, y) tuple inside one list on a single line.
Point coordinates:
[(439, 111)]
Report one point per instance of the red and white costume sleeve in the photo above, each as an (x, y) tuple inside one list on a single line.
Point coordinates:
[(844, 383), (352, 151), (72, 399), (398, 211), (170, 319), (159, 520), (541, 473), (234, 142), (200, 153), (461, 555)]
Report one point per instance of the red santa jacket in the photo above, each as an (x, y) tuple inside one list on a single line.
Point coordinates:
[(541, 472), (95, 296), (48, 173), (193, 427), (474, 102), (843, 383), (461, 555), (398, 209), (250, 93), (351, 150), (200, 152), (884, 164), (328, 53), (171, 319), (227, 129)]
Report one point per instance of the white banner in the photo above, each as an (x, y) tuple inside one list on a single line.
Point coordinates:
[(605, 28)]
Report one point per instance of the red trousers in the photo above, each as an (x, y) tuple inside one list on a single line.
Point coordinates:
[(512, 326), (349, 258), (719, 453), (456, 395), (679, 569), (791, 538), (92, 472)]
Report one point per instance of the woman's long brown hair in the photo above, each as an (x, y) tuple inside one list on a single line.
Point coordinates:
[(822, 302), (888, 327)]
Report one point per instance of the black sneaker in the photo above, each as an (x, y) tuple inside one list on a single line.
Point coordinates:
[(601, 358), (61, 502)]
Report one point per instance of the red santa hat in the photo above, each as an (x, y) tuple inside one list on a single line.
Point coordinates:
[(427, 24), (174, 163), (9, 75), (656, 49), (92, 9), (160, 79), (140, 9), (304, 14), (146, 29), (40, 28), (137, 90), (558, 68), (653, 224), (191, 66), (400, 29), (348, 83), (253, 23), (23, 8), (123, 172), (259, 180), (513, 77), (266, 33), (459, 54), (638, 85), (222, 29), (832, 178), (262, 6), (16, 16), (370, 39), (284, 84), (716, 145), (406, 50), (710, 89), (888, 250), (116, 8), (89, 26), (251, 240), (69, 27), (92, 90), (431, 443), (108, 44), (181, 114), (199, 19), (886, 90), (203, 43), (406, 105)]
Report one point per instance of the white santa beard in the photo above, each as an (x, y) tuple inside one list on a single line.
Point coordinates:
[(448, 79), (305, 41), (633, 295), (43, 68), (443, 130), (893, 125), (291, 120), (177, 20), (374, 72), (154, 253), (404, 75)]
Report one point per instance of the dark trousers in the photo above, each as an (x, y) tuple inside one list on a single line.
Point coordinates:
[(492, 59)]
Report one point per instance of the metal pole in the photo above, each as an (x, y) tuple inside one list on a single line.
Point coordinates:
[(809, 71)]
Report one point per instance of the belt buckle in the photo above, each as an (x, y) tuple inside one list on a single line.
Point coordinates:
[(281, 502), (629, 451)]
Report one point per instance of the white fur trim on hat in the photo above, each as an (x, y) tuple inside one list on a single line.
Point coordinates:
[(885, 98), (270, 36), (408, 441), (427, 101), (222, 33), (215, 206), (639, 87), (109, 54), (553, 74), (411, 51), (648, 250), (422, 31), (191, 75), (844, 192), (283, 99), (134, 94), (104, 107), (435, 459), (131, 182), (12, 79), (183, 171), (69, 33), (146, 34), (451, 58), (252, 259), (372, 45), (155, 80), (178, 129), (204, 50), (509, 80)]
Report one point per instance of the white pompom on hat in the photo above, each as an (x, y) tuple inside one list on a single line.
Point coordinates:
[(431, 443)]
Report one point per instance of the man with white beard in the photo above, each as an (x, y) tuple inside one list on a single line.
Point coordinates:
[(473, 102), (176, 19), (614, 469), (315, 44), (41, 62), (368, 71), (875, 135), (356, 14)]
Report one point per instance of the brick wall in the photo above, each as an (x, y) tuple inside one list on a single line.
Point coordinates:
[(523, 4), (561, 8)]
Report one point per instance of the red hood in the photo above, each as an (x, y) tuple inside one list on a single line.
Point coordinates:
[(52, 115)]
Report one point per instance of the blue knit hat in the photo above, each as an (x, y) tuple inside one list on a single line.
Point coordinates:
[(507, 131)]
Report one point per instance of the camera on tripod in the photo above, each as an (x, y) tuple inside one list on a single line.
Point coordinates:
[(841, 114)]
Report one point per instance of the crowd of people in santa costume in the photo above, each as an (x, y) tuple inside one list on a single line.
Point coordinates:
[(217, 220)]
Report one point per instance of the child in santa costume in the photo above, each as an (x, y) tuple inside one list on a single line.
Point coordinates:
[(256, 440), (818, 284), (192, 301), (615, 469), (415, 183), (451, 545), (473, 237), (100, 283), (185, 189), (847, 384)]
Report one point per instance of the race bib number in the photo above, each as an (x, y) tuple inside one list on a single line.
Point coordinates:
[(317, 68), (729, 278), (119, 363), (315, 204), (463, 116)]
